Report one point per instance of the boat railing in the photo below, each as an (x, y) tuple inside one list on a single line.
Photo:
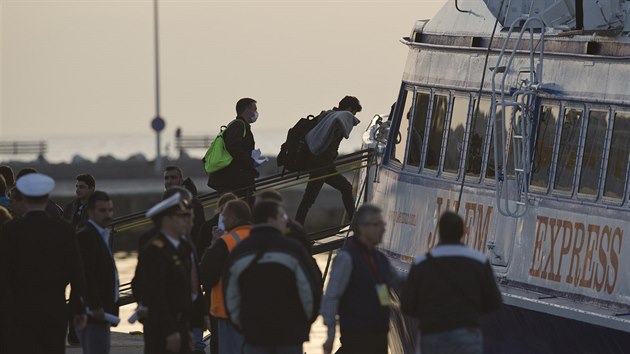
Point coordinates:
[(324, 240), (512, 200)]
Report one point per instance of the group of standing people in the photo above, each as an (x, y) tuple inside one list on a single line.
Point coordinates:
[(246, 274)]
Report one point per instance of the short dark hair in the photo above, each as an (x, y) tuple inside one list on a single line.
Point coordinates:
[(363, 215), (350, 103), (3, 185), (7, 172), (88, 179), (16, 194), (175, 168), (97, 196), (243, 104), (270, 194), (226, 197), (25, 171), (451, 227), (241, 210), (265, 210)]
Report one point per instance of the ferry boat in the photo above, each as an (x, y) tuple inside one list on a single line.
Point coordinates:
[(517, 115)]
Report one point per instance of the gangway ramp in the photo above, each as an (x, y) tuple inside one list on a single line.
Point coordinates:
[(324, 240)]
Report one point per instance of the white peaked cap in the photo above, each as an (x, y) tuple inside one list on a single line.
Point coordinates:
[(164, 205), (35, 185)]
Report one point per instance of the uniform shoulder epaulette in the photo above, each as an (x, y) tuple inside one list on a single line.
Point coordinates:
[(158, 243)]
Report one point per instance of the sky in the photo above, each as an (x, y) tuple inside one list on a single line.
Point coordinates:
[(86, 67)]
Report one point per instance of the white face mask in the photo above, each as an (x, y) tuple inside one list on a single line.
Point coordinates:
[(220, 223), (255, 117)]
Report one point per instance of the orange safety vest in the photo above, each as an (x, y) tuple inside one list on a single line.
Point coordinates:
[(231, 239)]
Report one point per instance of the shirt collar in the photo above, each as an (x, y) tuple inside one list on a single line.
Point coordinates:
[(101, 230), (175, 242)]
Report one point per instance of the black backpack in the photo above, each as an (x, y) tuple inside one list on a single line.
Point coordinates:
[(294, 153)]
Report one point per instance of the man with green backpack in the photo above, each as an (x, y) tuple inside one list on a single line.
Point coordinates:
[(229, 161)]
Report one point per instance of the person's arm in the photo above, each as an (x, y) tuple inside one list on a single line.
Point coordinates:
[(233, 139), (339, 277), (409, 295), (490, 295), (154, 290), (212, 264), (89, 253), (74, 268)]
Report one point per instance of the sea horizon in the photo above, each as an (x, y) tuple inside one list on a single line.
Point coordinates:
[(69, 148)]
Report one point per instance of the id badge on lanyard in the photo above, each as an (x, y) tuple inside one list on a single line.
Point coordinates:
[(382, 291)]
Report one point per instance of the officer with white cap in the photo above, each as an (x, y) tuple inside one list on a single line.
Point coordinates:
[(166, 278), (39, 256)]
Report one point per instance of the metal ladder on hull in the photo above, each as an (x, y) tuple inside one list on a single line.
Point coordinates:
[(520, 102)]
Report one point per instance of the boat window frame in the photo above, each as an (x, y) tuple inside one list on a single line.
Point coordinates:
[(554, 147), (395, 126), (427, 91), (458, 175), (604, 158), (570, 194), (428, 122), (625, 196)]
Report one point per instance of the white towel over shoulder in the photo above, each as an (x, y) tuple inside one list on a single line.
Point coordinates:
[(320, 136)]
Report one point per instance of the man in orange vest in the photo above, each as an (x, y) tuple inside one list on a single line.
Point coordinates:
[(237, 219)]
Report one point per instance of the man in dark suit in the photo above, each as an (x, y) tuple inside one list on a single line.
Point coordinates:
[(168, 282), (39, 256), (101, 275), (76, 212)]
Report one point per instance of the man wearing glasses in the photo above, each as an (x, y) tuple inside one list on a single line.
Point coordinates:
[(358, 289)]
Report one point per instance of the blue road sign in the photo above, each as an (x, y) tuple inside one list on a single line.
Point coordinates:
[(158, 124)]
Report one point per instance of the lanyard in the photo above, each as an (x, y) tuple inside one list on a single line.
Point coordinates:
[(369, 257)]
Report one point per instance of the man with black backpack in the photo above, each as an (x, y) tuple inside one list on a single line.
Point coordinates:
[(238, 177), (323, 144)]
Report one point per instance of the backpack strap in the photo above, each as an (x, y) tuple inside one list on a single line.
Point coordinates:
[(236, 120)]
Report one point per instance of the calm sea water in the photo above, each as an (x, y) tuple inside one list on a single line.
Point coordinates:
[(64, 148)]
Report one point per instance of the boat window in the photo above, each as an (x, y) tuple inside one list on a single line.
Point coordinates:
[(490, 168), (618, 159), (568, 149), (593, 152), (417, 128), (400, 139), (456, 134), (438, 119), (543, 149), (477, 136)]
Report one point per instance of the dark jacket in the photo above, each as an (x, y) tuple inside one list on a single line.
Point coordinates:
[(100, 271), (39, 257), (272, 291), (137, 282), (449, 288), (167, 291), (199, 213), (203, 238), (360, 310), (239, 142), (72, 214)]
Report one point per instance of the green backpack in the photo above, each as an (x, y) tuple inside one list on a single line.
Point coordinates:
[(217, 157)]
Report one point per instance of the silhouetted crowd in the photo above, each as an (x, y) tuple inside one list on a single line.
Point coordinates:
[(246, 275)]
